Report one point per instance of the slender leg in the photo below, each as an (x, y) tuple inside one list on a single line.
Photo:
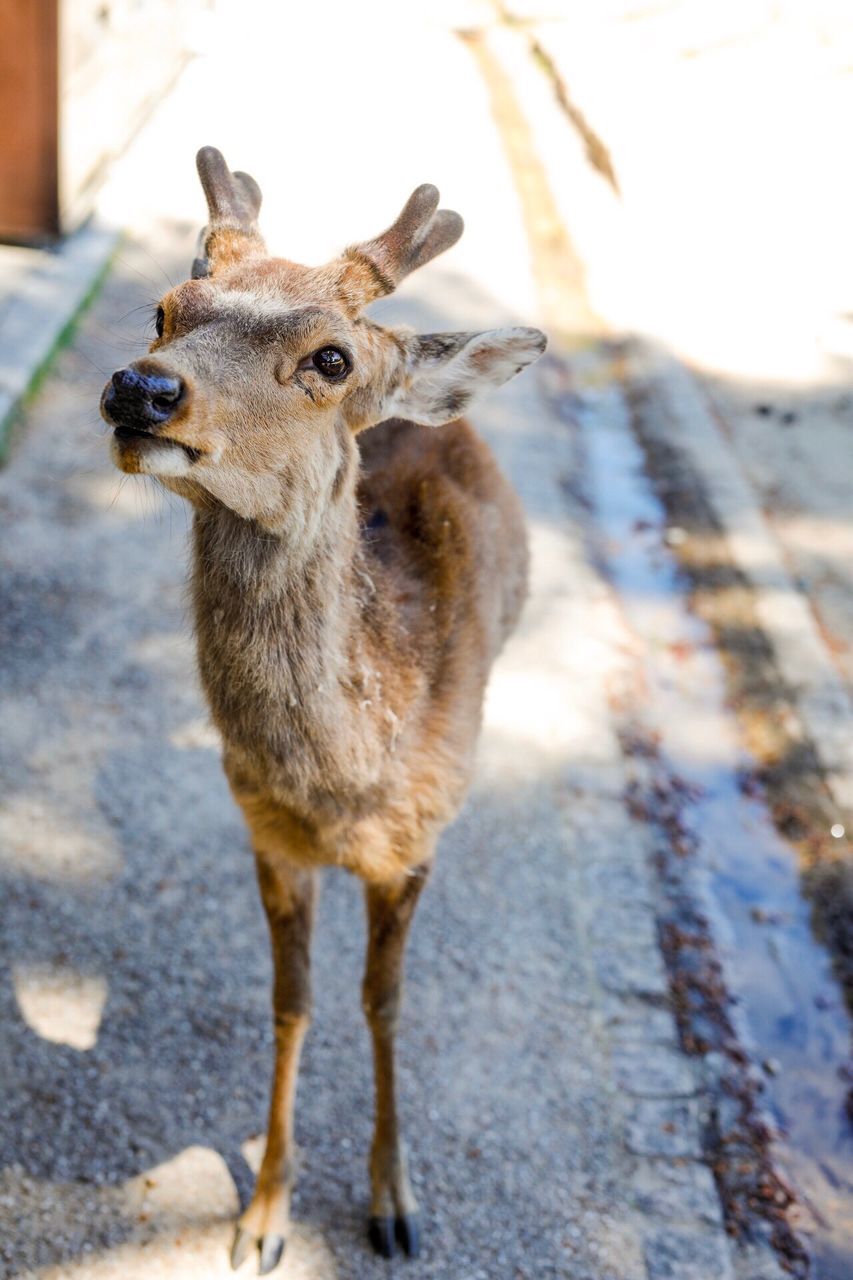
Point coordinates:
[(288, 895), (393, 1209)]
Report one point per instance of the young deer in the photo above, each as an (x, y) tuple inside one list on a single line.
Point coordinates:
[(350, 592)]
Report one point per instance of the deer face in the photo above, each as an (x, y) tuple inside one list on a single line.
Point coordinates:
[(262, 370), (247, 395)]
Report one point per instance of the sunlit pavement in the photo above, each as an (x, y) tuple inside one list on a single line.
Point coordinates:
[(555, 1127), (728, 237)]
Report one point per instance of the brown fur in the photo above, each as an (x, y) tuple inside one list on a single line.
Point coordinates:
[(350, 595)]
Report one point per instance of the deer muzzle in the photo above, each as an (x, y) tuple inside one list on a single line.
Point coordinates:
[(141, 401)]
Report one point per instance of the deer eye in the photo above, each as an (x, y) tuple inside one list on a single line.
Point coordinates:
[(159, 321), (331, 362)]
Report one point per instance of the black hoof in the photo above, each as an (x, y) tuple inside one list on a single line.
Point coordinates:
[(407, 1229), (272, 1247), (241, 1248), (380, 1233)]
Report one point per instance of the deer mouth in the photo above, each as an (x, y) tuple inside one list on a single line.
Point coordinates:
[(127, 435), (139, 452)]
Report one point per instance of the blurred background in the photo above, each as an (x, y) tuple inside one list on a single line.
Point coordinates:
[(627, 1050)]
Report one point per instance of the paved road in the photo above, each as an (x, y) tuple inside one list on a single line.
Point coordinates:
[(555, 1126)]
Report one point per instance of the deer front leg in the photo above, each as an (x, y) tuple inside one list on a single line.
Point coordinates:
[(288, 895), (393, 1209)]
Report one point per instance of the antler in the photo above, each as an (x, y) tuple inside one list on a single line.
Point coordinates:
[(233, 203), (421, 232)]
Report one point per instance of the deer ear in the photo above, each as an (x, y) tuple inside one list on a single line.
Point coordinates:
[(446, 372)]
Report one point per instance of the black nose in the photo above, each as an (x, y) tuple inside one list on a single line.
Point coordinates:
[(133, 398)]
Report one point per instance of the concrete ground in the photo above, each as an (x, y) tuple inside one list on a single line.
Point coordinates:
[(557, 1128)]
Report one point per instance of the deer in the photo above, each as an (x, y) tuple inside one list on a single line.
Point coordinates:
[(357, 562)]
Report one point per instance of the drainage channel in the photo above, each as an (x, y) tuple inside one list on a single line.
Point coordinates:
[(727, 867)]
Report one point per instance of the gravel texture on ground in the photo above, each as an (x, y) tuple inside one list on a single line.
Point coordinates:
[(137, 1045)]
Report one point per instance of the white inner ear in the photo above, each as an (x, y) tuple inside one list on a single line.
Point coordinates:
[(440, 388)]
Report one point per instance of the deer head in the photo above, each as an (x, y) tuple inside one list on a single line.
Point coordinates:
[(263, 371)]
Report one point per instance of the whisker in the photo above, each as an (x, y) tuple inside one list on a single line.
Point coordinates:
[(78, 351), (115, 497), (157, 264), (142, 276), (143, 306)]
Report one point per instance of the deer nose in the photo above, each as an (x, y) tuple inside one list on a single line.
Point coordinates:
[(142, 399)]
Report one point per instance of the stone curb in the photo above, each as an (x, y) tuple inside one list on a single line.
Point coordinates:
[(43, 293)]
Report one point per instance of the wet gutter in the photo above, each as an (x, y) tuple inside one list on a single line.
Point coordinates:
[(753, 988)]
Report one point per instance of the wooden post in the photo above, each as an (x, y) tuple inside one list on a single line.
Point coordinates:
[(29, 120), (77, 79)]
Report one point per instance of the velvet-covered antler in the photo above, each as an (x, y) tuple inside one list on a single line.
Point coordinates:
[(233, 203), (420, 233)]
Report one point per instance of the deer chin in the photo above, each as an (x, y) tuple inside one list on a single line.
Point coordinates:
[(140, 453)]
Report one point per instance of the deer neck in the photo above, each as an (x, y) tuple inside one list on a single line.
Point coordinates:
[(279, 624)]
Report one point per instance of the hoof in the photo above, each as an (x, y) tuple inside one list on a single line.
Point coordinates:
[(270, 1249), (380, 1233), (405, 1230), (241, 1248)]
